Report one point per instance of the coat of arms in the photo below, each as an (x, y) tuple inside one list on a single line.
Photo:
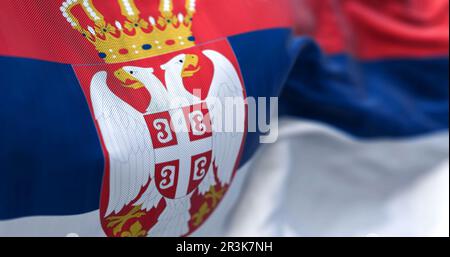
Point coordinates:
[(158, 104)]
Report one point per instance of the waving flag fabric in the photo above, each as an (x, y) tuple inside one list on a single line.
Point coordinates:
[(371, 70), (383, 68)]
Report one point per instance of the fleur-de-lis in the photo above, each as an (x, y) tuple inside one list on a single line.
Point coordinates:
[(214, 195), (103, 28), (164, 21), (134, 231), (136, 23), (117, 222), (201, 213)]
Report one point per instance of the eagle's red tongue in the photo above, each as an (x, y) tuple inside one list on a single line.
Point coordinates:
[(129, 82), (191, 67)]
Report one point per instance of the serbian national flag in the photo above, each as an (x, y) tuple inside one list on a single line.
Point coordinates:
[(362, 145)]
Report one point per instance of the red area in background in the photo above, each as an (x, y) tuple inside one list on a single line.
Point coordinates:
[(367, 29), (36, 30), (370, 29)]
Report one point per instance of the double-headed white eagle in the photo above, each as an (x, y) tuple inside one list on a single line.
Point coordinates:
[(129, 144)]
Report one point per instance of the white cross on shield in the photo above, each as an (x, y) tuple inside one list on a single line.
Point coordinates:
[(182, 141)]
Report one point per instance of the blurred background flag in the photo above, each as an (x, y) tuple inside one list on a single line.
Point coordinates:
[(363, 104), (364, 142)]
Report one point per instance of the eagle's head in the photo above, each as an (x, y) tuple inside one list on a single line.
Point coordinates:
[(184, 64), (133, 77)]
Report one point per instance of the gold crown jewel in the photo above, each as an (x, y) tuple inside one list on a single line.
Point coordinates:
[(135, 38)]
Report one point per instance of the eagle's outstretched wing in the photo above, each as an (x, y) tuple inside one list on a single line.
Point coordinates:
[(226, 144), (127, 141)]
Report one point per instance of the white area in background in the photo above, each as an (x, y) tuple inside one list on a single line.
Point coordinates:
[(88, 224), (316, 181)]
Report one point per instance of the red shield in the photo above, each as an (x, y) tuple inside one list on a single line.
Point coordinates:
[(178, 172)]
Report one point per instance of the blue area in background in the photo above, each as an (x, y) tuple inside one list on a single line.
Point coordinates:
[(265, 58), (369, 99), (51, 161)]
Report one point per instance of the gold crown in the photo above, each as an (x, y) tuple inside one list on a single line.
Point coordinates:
[(135, 38)]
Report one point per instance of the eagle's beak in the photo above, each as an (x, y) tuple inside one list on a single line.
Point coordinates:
[(127, 80), (191, 60)]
